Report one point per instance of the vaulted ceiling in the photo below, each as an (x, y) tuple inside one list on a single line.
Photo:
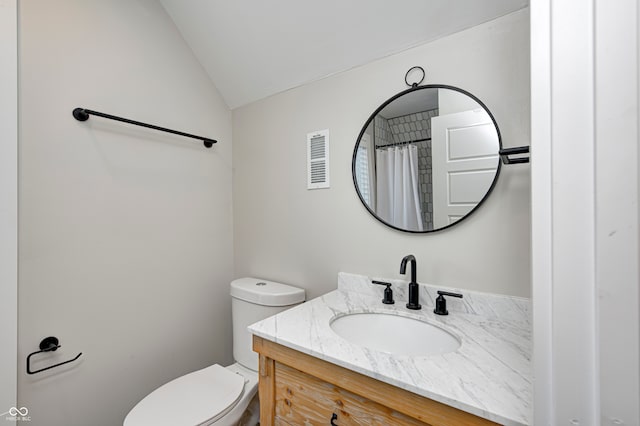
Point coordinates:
[(252, 49)]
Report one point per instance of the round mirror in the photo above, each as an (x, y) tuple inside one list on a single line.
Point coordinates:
[(427, 158)]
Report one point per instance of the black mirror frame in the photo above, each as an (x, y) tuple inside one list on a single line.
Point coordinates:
[(380, 108)]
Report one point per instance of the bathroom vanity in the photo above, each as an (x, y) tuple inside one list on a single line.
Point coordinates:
[(308, 374), (298, 389)]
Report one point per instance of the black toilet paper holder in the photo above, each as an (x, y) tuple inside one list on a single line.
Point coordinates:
[(48, 344)]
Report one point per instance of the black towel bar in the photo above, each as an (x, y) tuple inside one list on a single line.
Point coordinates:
[(82, 114), (505, 154)]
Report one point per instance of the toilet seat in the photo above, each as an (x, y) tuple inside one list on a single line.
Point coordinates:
[(198, 398)]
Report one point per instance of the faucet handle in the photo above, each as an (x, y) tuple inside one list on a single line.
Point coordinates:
[(441, 302), (388, 293)]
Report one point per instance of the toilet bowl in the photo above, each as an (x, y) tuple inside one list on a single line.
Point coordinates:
[(215, 395), (219, 395)]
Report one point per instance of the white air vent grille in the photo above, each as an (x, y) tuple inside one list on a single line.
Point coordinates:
[(318, 159)]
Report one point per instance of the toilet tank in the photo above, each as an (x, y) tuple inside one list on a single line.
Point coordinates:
[(252, 300)]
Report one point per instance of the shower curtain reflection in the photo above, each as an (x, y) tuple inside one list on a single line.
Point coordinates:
[(398, 198)]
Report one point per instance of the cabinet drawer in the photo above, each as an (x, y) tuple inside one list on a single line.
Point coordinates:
[(301, 399)]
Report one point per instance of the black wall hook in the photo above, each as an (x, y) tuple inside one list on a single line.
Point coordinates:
[(48, 344)]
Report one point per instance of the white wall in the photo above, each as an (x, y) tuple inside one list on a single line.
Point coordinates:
[(126, 248), (451, 102), (585, 245), (284, 232), (8, 203)]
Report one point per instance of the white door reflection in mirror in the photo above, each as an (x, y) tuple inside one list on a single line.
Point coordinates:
[(465, 157)]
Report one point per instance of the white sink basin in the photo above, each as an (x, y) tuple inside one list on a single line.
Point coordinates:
[(394, 334)]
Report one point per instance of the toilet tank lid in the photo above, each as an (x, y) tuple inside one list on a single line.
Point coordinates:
[(267, 293)]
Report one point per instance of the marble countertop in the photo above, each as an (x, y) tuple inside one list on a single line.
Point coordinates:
[(489, 375)]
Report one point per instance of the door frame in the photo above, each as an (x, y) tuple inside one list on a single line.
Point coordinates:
[(584, 95), (9, 203)]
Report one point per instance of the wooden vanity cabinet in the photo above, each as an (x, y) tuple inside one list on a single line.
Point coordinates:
[(298, 389)]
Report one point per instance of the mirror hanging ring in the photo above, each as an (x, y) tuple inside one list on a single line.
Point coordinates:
[(414, 84)]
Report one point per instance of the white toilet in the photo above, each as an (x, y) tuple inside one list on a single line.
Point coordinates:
[(219, 395)]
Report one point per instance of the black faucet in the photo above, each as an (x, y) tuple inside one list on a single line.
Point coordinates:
[(441, 302), (414, 295), (388, 293)]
